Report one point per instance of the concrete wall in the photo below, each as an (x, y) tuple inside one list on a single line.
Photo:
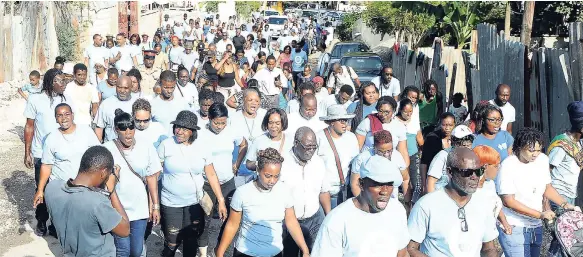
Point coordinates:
[(368, 36)]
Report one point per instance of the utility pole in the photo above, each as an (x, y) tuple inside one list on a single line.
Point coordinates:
[(507, 21), (527, 17)]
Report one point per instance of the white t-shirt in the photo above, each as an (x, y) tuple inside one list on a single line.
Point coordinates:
[(127, 54), (174, 54), (296, 121), (178, 31), (350, 232), (508, 112), (262, 218), (83, 97), (182, 180), (166, 111), (130, 189), (189, 93), (396, 159), (188, 60), (64, 152), (488, 191), (347, 149), (248, 128), (106, 115), (220, 147), (293, 106), (565, 173), (222, 46), (266, 79), (306, 183), (154, 134), (40, 109), (511, 181), (332, 100), (346, 78), (95, 54), (438, 169), (321, 97), (251, 55), (434, 223), (393, 88), (397, 129), (202, 122), (263, 142)]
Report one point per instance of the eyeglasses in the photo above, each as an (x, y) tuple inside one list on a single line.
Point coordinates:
[(142, 121), (124, 127), (308, 147), (461, 214), (493, 120), (468, 172)]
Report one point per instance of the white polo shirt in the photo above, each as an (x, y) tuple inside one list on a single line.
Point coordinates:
[(393, 88), (296, 121), (306, 183), (266, 79)]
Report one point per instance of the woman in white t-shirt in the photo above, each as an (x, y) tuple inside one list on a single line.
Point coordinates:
[(261, 208), (137, 188), (135, 42), (524, 179), (185, 158), (385, 108), (147, 130), (174, 52), (221, 140), (405, 114), (275, 123)]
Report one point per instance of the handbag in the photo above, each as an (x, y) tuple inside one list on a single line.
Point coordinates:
[(342, 194), (118, 145)]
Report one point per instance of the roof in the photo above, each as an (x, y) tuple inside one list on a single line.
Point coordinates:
[(360, 54)]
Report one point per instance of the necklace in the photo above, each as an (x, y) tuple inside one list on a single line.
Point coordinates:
[(70, 134), (259, 188), (249, 129)]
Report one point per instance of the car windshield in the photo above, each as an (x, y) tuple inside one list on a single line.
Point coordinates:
[(271, 13), (340, 50), (364, 64), (276, 21), (308, 14)]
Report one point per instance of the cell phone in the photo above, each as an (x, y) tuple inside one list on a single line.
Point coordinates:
[(278, 78)]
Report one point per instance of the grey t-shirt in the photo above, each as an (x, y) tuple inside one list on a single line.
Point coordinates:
[(83, 220)]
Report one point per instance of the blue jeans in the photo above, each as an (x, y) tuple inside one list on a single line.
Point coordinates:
[(132, 245), (523, 242), (555, 249)]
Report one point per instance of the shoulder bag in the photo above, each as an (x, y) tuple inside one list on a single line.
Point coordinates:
[(118, 145), (342, 194)]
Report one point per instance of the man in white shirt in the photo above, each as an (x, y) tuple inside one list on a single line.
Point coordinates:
[(222, 45), (337, 147), (272, 81), (387, 84), (450, 222), (342, 75), (95, 53), (84, 96), (306, 116), (123, 55), (321, 95), (508, 111), (167, 21), (146, 45), (179, 30), (304, 173), (165, 107), (342, 98), (303, 89), (189, 58), (371, 224), (123, 100)]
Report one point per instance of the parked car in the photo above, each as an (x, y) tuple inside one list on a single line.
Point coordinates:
[(307, 14), (267, 13), (367, 65), (327, 60), (276, 24)]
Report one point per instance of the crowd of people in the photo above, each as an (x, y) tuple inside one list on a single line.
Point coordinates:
[(145, 133)]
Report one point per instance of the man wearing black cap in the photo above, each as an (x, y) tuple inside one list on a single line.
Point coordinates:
[(566, 160), (149, 72)]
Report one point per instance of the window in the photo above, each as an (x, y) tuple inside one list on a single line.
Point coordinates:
[(270, 13), (364, 64), (276, 21), (340, 50)]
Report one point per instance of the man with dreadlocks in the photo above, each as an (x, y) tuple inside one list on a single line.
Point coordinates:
[(40, 121), (522, 182)]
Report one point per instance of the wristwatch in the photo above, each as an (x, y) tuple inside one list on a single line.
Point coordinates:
[(155, 206)]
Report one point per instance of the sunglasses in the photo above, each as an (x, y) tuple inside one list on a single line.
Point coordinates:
[(308, 147), (468, 172), (461, 214), (124, 127)]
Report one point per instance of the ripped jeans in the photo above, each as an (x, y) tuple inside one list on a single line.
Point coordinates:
[(182, 225)]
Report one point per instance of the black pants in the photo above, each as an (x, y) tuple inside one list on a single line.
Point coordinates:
[(182, 225), (41, 212), (239, 254), (310, 227), (228, 189), (295, 77)]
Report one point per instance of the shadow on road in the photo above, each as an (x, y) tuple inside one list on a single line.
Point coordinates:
[(20, 188), (19, 131)]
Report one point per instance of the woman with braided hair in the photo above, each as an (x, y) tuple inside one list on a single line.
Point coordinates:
[(262, 206)]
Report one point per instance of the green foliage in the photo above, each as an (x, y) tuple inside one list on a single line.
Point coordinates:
[(571, 10), (344, 30), (212, 6), (462, 19), (67, 38), (245, 8)]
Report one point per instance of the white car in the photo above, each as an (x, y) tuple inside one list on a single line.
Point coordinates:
[(276, 24)]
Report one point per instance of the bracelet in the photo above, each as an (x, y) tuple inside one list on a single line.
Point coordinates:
[(564, 204), (155, 206)]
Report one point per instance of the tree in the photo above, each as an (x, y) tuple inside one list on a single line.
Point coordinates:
[(462, 19), (245, 8), (527, 17), (212, 6)]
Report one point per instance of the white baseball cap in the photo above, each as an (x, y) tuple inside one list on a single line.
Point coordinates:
[(381, 170), (461, 131)]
